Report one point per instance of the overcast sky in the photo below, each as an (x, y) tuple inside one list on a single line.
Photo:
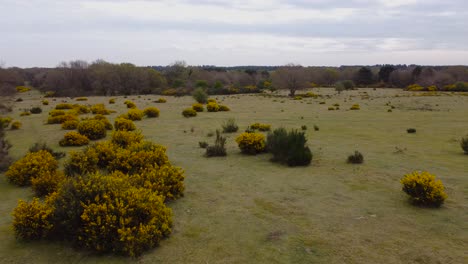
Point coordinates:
[(236, 32)]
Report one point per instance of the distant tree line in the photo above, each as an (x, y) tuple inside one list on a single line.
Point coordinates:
[(103, 78)]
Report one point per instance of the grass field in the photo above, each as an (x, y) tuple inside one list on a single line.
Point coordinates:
[(245, 209)]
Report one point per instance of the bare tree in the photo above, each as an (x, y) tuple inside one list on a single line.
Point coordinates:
[(291, 77)]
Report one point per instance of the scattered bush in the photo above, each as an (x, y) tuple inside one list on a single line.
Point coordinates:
[(25, 113), (355, 107), (49, 94), (135, 114), (304, 127), (47, 183), (212, 107), (197, 107), (45, 102), (112, 101), (189, 112), (63, 106), (200, 96), (331, 108), (126, 138), (22, 171), (411, 130), (73, 139), (424, 189), (161, 100), (38, 146), (70, 125), (92, 129), (219, 147), (464, 144), (415, 87), (22, 89), (81, 99), (83, 109), (32, 221), (54, 113), (19, 100), (100, 109), (107, 124), (124, 124), (251, 143), (223, 108), (151, 112), (130, 104), (202, 144), (15, 125), (35, 110), (289, 147), (316, 128), (230, 126), (356, 158), (82, 162), (260, 127), (61, 119)]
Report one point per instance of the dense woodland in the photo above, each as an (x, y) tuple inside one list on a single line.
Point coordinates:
[(103, 78)]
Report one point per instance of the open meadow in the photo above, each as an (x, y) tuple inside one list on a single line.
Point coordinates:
[(246, 209)]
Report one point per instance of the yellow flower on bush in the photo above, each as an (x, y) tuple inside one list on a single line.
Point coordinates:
[(63, 106), (22, 89), (124, 124), (47, 182), (260, 127), (16, 125), (73, 139), (212, 106), (99, 109), (251, 143), (80, 109), (161, 100), (81, 99), (45, 102), (130, 104), (424, 189), (92, 129), (151, 112), (197, 107), (223, 108), (25, 113), (22, 171), (32, 221), (189, 112), (135, 114), (70, 124), (355, 107)]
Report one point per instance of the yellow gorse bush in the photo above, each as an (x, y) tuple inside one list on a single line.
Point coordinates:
[(355, 107), (251, 143), (197, 107), (73, 139), (161, 100), (22, 171), (100, 109), (92, 129), (424, 189), (81, 99), (261, 127), (16, 125), (47, 182), (135, 114), (32, 220), (130, 104), (189, 112), (223, 108), (124, 124), (151, 112), (22, 89), (70, 125), (63, 106), (212, 106)]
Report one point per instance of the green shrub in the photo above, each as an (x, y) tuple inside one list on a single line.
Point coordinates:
[(251, 143), (32, 164), (161, 100), (197, 107), (35, 110), (219, 147), (424, 189), (151, 112), (32, 221), (200, 96), (73, 139), (230, 126), (189, 112), (289, 147), (92, 129), (212, 107), (464, 144), (356, 158), (304, 127), (124, 124)]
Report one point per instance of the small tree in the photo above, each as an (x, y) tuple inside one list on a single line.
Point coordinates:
[(291, 77), (200, 95)]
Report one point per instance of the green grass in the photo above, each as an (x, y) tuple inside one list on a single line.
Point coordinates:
[(245, 209)]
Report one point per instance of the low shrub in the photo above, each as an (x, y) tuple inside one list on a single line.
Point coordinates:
[(230, 126), (38, 146), (25, 113), (355, 107), (126, 138), (316, 128), (260, 127), (63, 106), (424, 189), (356, 158), (34, 163), (198, 107), (304, 127), (47, 183), (289, 147), (35, 110), (92, 129), (112, 101), (135, 114), (200, 96), (70, 125), (45, 102), (411, 130), (219, 147), (107, 124), (33, 220), (151, 112), (49, 94), (161, 100), (81, 162), (331, 108), (61, 119), (81, 99), (15, 125), (202, 144), (22, 89), (73, 139), (251, 143), (464, 144), (83, 109), (130, 104), (54, 112), (223, 108), (415, 87), (124, 124), (189, 112), (212, 107), (100, 109)]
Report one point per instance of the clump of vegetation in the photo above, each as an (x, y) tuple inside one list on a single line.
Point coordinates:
[(34, 163), (38, 146), (304, 127), (203, 144), (92, 129), (212, 107), (411, 130), (124, 124), (22, 89), (289, 147), (151, 112), (134, 114), (355, 107), (260, 127), (32, 220), (424, 189), (112, 101), (126, 138), (59, 119), (198, 107), (35, 110), (81, 99), (5, 160), (189, 112), (130, 104), (464, 144), (63, 106), (316, 128), (219, 147), (415, 88), (200, 96), (46, 183), (251, 143), (15, 125), (100, 109), (70, 125), (223, 108), (356, 158), (331, 108), (83, 109), (230, 126), (344, 85), (161, 100), (73, 139), (45, 102), (25, 113)]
